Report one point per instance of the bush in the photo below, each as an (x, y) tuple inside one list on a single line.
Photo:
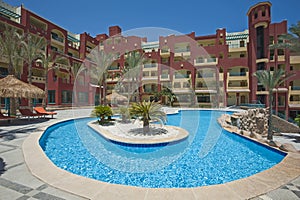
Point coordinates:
[(103, 113)]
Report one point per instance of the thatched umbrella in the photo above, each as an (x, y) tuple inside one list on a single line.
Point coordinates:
[(14, 88), (115, 97)]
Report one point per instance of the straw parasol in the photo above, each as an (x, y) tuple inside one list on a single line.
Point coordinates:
[(114, 97), (12, 87)]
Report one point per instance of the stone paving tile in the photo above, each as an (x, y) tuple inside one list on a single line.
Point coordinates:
[(8, 194), (15, 186), (45, 196), (21, 175)]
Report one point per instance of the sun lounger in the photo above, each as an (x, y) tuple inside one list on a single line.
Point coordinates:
[(8, 118), (28, 113), (42, 111)]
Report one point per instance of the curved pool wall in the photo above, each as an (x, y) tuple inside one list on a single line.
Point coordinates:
[(200, 160)]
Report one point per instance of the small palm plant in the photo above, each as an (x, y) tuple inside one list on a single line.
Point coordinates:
[(147, 111), (103, 113)]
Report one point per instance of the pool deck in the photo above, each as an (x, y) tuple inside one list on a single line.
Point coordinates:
[(29, 174)]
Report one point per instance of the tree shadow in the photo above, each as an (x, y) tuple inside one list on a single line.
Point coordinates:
[(152, 131), (294, 138), (2, 166)]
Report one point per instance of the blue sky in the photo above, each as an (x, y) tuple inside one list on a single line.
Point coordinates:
[(203, 17)]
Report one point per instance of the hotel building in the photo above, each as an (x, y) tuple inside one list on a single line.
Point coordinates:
[(206, 71)]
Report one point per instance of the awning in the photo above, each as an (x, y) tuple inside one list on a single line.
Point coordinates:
[(72, 39), (9, 13), (237, 36)]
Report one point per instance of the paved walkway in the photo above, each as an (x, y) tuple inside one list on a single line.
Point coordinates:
[(16, 181)]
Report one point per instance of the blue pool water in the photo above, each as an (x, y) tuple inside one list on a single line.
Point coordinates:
[(210, 155)]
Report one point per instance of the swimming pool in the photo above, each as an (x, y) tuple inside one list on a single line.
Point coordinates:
[(210, 155)]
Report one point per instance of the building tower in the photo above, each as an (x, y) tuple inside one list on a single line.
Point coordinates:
[(259, 18)]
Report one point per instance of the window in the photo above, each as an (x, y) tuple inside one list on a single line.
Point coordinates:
[(51, 96), (66, 96), (271, 40), (280, 52), (242, 43), (272, 54), (260, 66), (260, 42), (263, 11), (281, 100), (83, 97), (203, 99)]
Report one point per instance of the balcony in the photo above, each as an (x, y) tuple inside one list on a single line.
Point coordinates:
[(239, 76), (150, 66), (294, 90), (238, 89), (164, 77), (182, 52), (153, 77), (237, 48), (182, 76), (205, 61), (38, 30), (294, 59), (57, 39), (165, 53)]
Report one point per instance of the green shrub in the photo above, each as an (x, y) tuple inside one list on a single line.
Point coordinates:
[(103, 113)]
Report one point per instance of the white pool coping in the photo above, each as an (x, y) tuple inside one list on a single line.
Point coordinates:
[(42, 167)]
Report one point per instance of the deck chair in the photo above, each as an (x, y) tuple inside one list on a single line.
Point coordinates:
[(8, 118), (28, 113), (42, 111)]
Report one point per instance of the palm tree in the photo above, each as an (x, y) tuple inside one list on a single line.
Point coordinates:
[(290, 40), (271, 80), (48, 61), (132, 70), (147, 111), (167, 92), (98, 72), (10, 47), (11, 50), (32, 47)]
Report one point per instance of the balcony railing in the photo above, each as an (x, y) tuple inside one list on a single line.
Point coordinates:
[(205, 61), (164, 76), (150, 65), (178, 75), (182, 50), (57, 38), (295, 87), (237, 73)]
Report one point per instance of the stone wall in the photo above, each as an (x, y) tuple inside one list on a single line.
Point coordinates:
[(284, 126), (254, 121)]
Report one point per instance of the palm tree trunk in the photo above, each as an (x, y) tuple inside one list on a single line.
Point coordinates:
[(146, 128), (30, 82), (270, 128), (104, 88), (46, 91)]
